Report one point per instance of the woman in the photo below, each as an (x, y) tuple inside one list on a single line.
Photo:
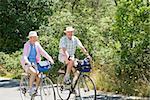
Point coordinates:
[(31, 55)]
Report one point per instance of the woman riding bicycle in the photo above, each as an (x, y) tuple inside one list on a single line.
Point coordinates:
[(67, 45), (31, 55)]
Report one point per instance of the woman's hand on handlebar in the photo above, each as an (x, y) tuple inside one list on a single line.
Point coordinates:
[(28, 64)]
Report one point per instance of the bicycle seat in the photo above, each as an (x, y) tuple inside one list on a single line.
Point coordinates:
[(24, 74), (61, 71)]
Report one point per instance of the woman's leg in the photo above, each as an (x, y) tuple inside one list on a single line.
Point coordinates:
[(37, 81), (33, 75)]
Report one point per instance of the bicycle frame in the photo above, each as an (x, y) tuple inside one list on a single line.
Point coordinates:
[(40, 85), (77, 81)]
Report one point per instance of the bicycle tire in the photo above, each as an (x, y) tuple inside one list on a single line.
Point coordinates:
[(62, 89), (24, 87), (47, 89), (86, 88)]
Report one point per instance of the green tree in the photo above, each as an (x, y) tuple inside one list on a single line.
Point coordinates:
[(18, 17), (131, 30)]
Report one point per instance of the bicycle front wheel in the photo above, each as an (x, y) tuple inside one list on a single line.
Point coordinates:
[(24, 87), (86, 88), (47, 89), (62, 89)]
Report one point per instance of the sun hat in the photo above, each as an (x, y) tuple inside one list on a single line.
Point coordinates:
[(32, 33), (69, 29)]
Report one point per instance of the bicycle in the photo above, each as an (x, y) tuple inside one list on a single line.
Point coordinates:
[(46, 87), (85, 86)]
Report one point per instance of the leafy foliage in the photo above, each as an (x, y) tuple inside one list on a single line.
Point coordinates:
[(131, 30), (11, 64), (18, 18), (117, 37)]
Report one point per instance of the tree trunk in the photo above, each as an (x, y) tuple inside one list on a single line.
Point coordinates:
[(148, 3), (115, 2)]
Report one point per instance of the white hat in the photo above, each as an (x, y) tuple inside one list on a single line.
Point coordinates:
[(32, 33), (69, 28)]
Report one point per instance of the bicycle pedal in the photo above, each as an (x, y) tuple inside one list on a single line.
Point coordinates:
[(36, 94), (24, 90), (73, 91), (67, 87), (68, 82)]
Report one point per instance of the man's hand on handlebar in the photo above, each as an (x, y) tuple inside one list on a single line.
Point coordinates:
[(88, 56), (52, 63)]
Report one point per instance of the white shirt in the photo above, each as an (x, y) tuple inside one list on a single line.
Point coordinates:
[(69, 44)]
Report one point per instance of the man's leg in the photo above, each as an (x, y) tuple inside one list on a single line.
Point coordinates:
[(76, 74), (68, 71), (69, 67)]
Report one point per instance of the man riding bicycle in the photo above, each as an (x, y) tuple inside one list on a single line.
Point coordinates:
[(68, 45), (31, 55)]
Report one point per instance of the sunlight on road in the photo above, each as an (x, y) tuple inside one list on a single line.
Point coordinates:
[(9, 90)]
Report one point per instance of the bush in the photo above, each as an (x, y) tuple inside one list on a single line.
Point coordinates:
[(132, 33), (11, 64)]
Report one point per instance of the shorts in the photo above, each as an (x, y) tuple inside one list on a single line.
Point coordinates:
[(26, 68), (62, 58)]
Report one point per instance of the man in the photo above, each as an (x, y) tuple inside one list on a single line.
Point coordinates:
[(68, 45)]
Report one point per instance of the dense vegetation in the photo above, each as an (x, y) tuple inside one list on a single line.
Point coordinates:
[(115, 32)]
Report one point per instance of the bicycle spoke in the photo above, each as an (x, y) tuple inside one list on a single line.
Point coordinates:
[(24, 87), (62, 89), (48, 92), (86, 88)]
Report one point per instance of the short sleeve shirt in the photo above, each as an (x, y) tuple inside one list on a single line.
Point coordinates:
[(70, 44)]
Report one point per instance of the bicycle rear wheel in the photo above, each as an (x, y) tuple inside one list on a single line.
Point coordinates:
[(62, 89), (24, 87), (47, 89), (86, 88)]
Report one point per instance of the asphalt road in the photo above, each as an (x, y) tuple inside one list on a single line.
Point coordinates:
[(9, 90)]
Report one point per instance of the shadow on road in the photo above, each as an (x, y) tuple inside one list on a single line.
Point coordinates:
[(106, 97), (7, 83), (103, 97), (11, 83)]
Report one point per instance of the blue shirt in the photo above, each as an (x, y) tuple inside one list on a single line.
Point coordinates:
[(32, 54)]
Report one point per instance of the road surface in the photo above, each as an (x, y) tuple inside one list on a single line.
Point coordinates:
[(9, 90)]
